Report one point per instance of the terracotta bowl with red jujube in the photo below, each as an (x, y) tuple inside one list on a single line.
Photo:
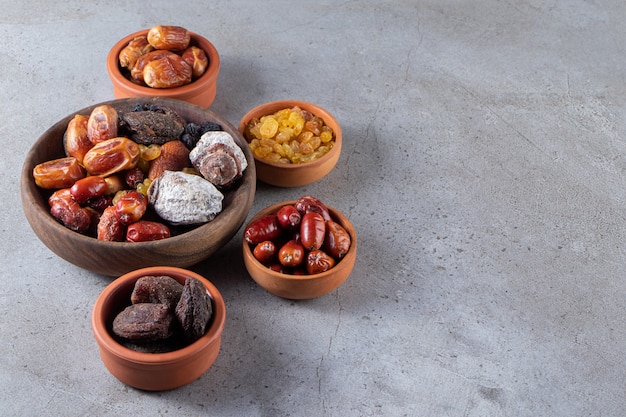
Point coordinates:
[(299, 287)]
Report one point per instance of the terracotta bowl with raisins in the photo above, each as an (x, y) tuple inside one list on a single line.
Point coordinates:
[(299, 249), (294, 142), (162, 364), (185, 69), (96, 245)]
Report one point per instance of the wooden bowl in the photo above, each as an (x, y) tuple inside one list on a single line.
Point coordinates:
[(116, 258), (295, 175), (300, 287), (155, 371), (200, 92)]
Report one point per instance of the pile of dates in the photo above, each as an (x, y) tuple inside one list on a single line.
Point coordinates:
[(164, 314), (139, 175), (299, 239), (164, 58)]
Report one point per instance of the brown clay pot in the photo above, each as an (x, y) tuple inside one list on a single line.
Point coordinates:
[(155, 371), (200, 92), (299, 287), (295, 175)]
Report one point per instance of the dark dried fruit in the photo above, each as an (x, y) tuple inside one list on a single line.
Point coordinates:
[(160, 289), (148, 127), (144, 322), (194, 310), (193, 132)]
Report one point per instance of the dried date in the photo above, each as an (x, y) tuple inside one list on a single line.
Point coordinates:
[(174, 38), (76, 140), (58, 173), (196, 58), (102, 123), (111, 156), (167, 71), (131, 52)]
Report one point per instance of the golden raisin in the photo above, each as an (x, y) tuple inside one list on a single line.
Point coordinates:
[(290, 135)]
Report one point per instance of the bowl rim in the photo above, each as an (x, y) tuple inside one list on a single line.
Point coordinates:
[(209, 76), (318, 110), (335, 214), (106, 341)]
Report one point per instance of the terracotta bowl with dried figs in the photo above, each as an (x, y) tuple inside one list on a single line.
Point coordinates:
[(296, 283), (200, 91), (186, 246), (297, 147), (155, 371)]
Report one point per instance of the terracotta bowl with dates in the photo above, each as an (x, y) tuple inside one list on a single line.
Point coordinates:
[(155, 371), (294, 174), (113, 258), (200, 91), (300, 287)]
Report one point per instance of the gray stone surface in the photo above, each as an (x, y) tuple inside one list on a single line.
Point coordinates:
[(483, 167)]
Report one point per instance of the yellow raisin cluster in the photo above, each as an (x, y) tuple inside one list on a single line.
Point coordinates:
[(289, 136)]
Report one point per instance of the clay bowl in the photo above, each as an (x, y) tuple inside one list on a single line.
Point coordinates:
[(200, 92), (295, 175), (155, 371), (116, 258), (300, 287)]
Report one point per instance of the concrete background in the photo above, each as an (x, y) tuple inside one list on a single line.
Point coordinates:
[(483, 167)]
